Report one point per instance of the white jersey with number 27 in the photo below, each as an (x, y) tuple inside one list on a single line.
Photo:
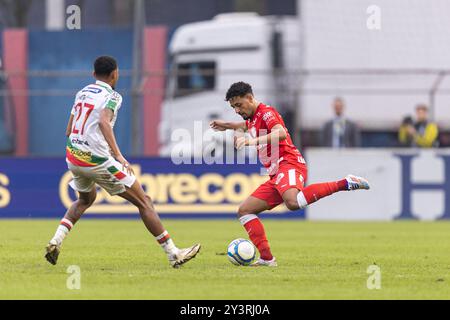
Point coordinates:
[(89, 102)]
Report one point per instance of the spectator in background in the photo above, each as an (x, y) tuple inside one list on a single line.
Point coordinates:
[(423, 133), (340, 132)]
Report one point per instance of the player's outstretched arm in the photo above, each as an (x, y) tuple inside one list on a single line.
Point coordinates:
[(224, 125), (106, 116)]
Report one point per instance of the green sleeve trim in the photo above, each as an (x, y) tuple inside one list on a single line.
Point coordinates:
[(111, 105)]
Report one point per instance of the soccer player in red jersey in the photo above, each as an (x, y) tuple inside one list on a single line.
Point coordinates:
[(286, 167)]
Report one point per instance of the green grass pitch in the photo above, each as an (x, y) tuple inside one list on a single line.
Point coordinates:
[(118, 259)]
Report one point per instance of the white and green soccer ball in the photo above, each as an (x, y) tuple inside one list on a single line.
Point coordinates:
[(241, 252)]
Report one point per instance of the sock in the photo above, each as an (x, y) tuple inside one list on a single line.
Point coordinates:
[(317, 191), (63, 230), (167, 243), (255, 230)]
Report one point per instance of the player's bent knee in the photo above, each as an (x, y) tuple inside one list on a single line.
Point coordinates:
[(149, 202), (245, 210), (291, 204), (145, 203), (242, 211)]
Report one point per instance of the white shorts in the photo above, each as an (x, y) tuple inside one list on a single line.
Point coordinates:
[(108, 175)]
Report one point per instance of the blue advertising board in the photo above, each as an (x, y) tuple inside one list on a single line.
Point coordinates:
[(33, 188)]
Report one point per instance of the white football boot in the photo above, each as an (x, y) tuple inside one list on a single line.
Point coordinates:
[(265, 263), (356, 183), (53, 248), (184, 255)]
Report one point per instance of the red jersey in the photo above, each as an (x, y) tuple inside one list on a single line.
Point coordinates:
[(262, 122)]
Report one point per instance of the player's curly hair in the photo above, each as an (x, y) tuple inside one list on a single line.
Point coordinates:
[(104, 65), (238, 89)]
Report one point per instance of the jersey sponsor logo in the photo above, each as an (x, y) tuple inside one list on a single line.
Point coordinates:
[(82, 158), (80, 142), (81, 154), (79, 158), (92, 90), (268, 116)]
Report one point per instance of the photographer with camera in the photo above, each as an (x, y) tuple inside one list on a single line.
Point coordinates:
[(422, 133)]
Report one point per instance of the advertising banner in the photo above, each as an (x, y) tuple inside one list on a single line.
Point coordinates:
[(40, 188), (405, 184)]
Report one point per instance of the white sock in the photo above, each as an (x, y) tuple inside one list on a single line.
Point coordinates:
[(62, 231), (247, 218), (302, 203), (167, 243)]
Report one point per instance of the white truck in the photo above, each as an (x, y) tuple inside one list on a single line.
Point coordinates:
[(299, 64), (207, 57)]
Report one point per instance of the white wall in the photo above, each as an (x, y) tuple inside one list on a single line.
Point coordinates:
[(384, 171), (414, 34)]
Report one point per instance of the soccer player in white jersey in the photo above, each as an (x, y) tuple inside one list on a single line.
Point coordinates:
[(94, 158)]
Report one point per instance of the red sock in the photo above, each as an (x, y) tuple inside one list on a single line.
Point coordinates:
[(317, 191), (257, 235)]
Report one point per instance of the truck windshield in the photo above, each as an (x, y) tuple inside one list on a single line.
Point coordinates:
[(194, 77)]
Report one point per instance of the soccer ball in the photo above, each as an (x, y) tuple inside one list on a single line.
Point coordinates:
[(241, 252)]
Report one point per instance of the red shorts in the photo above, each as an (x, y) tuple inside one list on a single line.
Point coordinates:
[(288, 176)]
